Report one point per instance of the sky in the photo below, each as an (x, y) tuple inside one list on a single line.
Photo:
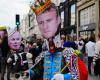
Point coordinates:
[(9, 9)]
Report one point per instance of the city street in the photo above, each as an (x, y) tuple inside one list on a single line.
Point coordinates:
[(49, 39), (93, 77), (89, 78)]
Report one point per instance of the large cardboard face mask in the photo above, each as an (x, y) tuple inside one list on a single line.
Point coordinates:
[(14, 41), (48, 23)]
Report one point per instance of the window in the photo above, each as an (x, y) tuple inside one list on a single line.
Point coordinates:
[(87, 15), (73, 14), (62, 19)]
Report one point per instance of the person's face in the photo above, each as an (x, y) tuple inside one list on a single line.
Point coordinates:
[(1, 36), (48, 23), (14, 41)]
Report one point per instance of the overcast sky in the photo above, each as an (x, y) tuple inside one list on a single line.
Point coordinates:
[(9, 8)]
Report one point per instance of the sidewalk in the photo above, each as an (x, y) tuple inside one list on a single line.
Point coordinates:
[(92, 77)]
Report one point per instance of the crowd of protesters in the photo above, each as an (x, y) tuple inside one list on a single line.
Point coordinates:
[(88, 48), (56, 57), (14, 53), (89, 51)]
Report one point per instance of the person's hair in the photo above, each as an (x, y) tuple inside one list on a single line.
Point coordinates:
[(99, 35), (4, 45), (92, 38), (52, 6)]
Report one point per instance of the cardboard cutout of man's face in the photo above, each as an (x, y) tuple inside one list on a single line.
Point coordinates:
[(14, 41), (48, 23)]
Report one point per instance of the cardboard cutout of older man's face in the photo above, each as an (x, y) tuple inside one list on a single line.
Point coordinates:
[(14, 41)]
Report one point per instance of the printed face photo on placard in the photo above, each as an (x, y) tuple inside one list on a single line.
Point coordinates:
[(14, 41), (48, 23)]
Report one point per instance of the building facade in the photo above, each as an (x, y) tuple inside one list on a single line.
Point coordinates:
[(57, 2), (29, 27), (33, 26), (68, 8), (88, 17), (24, 27)]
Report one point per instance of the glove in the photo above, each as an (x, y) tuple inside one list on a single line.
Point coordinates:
[(58, 77), (9, 60), (29, 55), (77, 52)]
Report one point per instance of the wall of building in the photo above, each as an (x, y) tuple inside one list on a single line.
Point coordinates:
[(29, 25), (33, 28), (24, 29), (87, 16), (57, 2)]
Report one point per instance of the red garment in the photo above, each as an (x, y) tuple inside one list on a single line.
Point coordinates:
[(82, 70), (51, 46)]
